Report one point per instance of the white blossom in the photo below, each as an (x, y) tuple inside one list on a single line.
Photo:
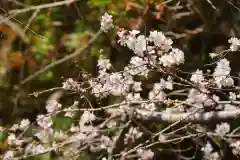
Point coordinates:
[(213, 55), (69, 114), (197, 77), (223, 68), (111, 83), (149, 106), (70, 84), (69, 111), (216, 98), (175, 57), (160, 40), (133, 97), (222, 129), (106, 22), (12, 140), (44, 121), (137, 61), (214, 156), (8, 155), (106, 142), (34, 149), (207, 149), (211, 101), (208, 152), (197, 98), (53, 106), (79, 136), (164, 84), (137, 66), (44, 135), (103, 64), (145, 154), (229, 82), (74, 128), (235, 43), (159, 96), (232, 96), (140, 45), (60, 135), (137, 86), (86, 118), (24, 124), (131, 40), (133, 33), (121, 35), (221, 74), (14, 127), (235, 147), (133, 134)]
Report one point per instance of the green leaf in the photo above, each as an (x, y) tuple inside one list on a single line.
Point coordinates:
[(95, 51), (62, 123), (3, 136), (46, 76)]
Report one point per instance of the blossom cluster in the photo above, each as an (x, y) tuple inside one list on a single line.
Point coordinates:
[(170, 98)]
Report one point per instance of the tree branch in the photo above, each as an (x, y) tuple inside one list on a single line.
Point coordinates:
[(39, 7), (51, 65), (198, 117)]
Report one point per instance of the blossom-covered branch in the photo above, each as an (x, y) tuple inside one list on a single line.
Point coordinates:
[(120, 130)]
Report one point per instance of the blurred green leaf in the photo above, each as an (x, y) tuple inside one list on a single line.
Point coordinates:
[(98, 3), (42, 46), (46, 76), (62, 123), (3, 136), (72, 41)]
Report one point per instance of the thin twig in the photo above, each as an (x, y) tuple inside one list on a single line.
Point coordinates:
[(60, 61), (7, 17), (31, 19), (233, 5), (18, 30), (43, 6), (211, 4)]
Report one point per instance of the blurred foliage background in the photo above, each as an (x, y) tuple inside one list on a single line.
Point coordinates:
[(198, 27)]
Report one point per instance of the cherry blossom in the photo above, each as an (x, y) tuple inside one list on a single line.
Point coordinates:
[(106, 22)]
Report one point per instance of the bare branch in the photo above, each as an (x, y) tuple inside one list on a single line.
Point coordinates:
[(60, 61), (39, 7), (199, 117)]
